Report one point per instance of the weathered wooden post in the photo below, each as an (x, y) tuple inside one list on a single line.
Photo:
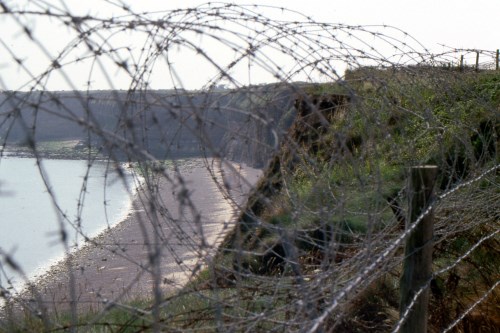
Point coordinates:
[(477, 61), (462, 63), (417, 267), (496, 62)]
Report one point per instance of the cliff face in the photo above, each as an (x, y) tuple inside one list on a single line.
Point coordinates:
[(243, 125)]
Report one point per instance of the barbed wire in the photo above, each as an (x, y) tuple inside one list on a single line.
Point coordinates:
[(421, 289), (394, 245), (265, 156), (461, 317)]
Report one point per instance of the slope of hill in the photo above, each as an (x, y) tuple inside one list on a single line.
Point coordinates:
[(318, 246)]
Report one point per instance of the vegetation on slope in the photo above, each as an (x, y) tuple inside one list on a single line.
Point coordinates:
[(334, 198), (334, 201)]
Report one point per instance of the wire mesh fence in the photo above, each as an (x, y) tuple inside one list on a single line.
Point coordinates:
[(250, 206)]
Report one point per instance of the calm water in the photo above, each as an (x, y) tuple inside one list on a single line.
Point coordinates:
[(29, 222)]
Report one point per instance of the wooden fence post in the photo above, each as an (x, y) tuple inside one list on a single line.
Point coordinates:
[(462, 63), (496, 62), (477, 61), (417, 266)]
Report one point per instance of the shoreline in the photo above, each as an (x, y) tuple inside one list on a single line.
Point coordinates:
[(113, 266), (54, 263), (30, 233)]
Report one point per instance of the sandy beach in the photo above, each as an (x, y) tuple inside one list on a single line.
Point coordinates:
[(175, 225)]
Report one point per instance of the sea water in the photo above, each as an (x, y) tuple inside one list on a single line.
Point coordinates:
[(38, 202)]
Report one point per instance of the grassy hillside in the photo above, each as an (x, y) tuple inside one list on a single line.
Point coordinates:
[(335, 198), (319, 240)]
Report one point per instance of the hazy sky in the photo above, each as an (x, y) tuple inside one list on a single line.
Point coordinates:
[(459, 23), (454, 23)]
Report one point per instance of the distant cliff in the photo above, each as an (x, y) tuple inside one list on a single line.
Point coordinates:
[(243, 124)]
